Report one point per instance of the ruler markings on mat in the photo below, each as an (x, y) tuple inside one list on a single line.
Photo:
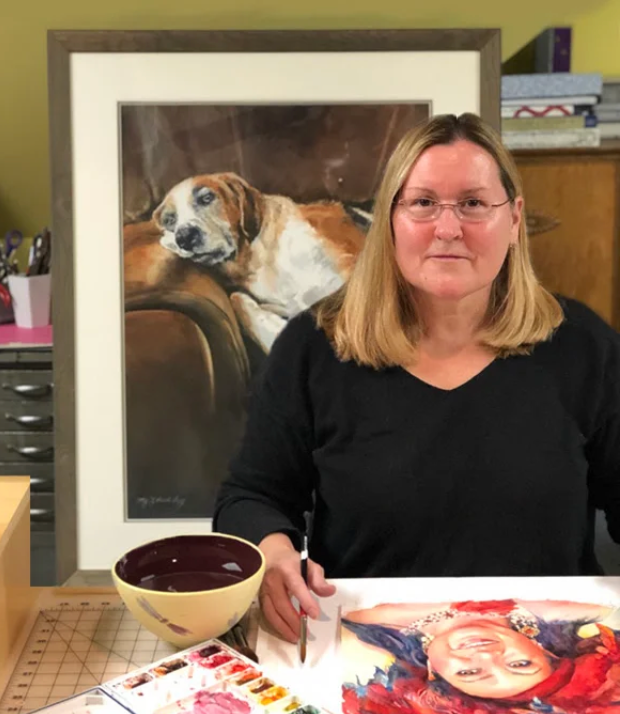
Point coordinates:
[(77, 643)]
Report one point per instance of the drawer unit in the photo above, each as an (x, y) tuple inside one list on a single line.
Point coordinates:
[(42, 557), (27, 445)]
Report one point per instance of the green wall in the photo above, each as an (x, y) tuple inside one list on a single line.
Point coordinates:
[(24, 167), (597, 45)]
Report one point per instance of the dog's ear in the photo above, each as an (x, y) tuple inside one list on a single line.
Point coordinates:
[(156, 217), (248, 202)]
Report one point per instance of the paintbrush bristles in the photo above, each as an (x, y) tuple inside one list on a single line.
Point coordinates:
[(235, 637)]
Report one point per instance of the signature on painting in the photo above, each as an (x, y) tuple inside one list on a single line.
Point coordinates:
[(148, 501)]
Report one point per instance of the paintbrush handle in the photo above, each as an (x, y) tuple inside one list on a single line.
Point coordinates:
[(304, 559), (304, 575)]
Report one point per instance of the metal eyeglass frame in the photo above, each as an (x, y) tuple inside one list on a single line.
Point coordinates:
[(455, 207)]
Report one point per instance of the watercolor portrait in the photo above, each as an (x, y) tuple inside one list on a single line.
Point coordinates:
[(481, 657)]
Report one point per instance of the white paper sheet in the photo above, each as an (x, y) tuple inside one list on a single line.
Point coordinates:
[(319, 679)]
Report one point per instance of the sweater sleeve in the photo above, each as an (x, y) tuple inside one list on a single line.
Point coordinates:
[(271, 477), (603, 446)]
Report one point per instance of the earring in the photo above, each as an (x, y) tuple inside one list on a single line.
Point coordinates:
[(426, 642), (431, 674), (524, 625)]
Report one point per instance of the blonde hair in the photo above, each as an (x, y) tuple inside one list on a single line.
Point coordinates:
[(372, 319)]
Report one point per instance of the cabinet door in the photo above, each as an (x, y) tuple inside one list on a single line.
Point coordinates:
[(578, 258)]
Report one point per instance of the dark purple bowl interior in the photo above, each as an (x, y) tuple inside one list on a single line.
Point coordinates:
[(188, 564)]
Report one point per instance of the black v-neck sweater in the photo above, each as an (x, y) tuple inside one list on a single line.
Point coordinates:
[(497, 477)]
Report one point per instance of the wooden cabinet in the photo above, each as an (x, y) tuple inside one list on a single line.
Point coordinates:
[(573, 206)]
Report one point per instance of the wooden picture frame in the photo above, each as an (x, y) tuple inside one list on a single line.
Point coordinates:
[(83, 66)]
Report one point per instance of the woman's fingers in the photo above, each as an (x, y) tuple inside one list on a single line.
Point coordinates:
[(298, 589), (276, 587), (271, 611), (317, 582), (283, 581)]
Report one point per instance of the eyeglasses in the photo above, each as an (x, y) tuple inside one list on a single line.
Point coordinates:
[(472, 210)]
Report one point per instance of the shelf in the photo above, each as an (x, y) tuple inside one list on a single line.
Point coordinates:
[(13, 337)]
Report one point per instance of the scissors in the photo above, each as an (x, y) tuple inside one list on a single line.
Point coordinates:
[(5, 271), (12, 240), (41, 248)]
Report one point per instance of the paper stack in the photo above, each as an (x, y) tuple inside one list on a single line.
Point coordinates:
[(608, 110)]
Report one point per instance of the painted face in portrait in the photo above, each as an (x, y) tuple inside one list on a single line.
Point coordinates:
[(486, 659), (440, 253)]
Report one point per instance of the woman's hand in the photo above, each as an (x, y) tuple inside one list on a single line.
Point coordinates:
[(283, 580)]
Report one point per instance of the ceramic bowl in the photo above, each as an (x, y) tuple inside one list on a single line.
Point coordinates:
[(189, 588)]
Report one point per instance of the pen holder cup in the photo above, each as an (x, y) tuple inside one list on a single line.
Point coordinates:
[(32, 298)]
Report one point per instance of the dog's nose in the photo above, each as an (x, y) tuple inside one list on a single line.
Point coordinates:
[(188, 237)]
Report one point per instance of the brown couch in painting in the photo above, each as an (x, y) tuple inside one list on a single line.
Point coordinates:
[(187, 380)]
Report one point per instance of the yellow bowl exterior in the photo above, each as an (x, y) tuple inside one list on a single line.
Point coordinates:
[(187, 618)]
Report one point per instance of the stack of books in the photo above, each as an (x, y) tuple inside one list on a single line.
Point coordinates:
[(550, 110), (608, 110)]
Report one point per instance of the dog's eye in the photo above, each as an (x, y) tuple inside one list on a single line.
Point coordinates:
[(169, 219), (205, 198)]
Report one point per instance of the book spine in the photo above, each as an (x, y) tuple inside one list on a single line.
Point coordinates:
[(573, 99), (611, 91), (553, 50), (557, 84), (544, 123), (610, 130), (551, 110), (562, 43), (551, 139), (611, 113)]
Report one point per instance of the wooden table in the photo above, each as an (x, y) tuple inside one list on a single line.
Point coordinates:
[(17, 598)]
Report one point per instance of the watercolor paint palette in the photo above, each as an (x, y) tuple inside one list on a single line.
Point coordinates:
[(210, 678)]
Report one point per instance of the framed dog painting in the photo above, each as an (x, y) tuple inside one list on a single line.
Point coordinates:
[(207, 186)]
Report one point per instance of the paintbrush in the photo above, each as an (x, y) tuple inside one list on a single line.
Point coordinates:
[(243, 646), (235, 638), (303, 639)]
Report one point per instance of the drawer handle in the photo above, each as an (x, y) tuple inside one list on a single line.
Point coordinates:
[(36, 481), (34, 391), (42, 513), (35, 453), (27, 420)]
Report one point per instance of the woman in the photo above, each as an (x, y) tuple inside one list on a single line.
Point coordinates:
[(494, 656), (442, 414)]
